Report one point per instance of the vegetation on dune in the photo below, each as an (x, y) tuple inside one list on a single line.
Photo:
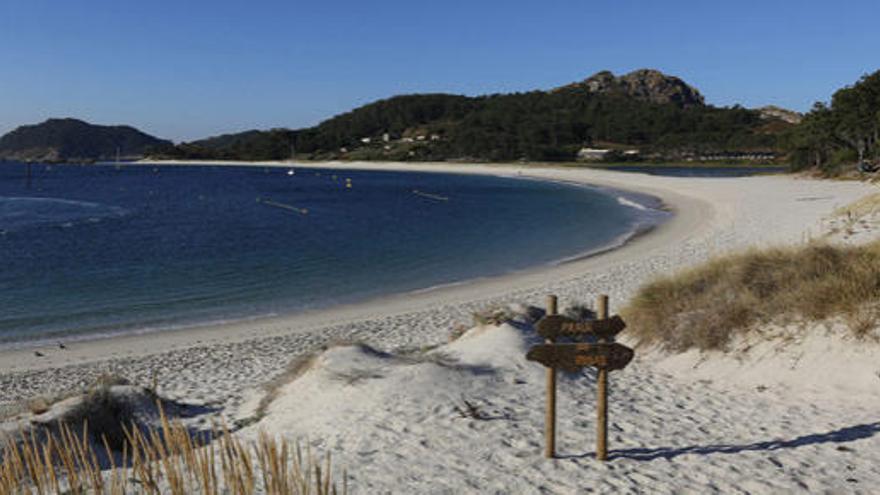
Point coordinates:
[(167, 460), (707, 306), (117, 438)]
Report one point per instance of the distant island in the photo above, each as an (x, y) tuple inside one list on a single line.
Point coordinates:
[(643, 116), (72, 140)]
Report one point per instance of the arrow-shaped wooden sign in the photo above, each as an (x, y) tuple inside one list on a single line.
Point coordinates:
[(555, 326), (572, 357)]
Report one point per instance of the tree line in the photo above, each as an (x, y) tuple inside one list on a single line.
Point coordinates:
[(841, 132), (537, 125)]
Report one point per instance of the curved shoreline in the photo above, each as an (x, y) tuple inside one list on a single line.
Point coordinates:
[(651, 213), (689, 214), (226, 366)]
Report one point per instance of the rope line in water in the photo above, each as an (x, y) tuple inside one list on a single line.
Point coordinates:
[(430, 196), (302, 211)]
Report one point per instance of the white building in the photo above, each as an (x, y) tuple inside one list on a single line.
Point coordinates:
[(592, 153)]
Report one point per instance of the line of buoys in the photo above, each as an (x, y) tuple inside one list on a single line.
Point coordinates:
[(347, 183), (302, 211), (430, 196)]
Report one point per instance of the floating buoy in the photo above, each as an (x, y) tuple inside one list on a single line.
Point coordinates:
[(291, 172)]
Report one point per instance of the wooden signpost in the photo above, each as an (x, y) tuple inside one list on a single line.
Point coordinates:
[(572, 357), (555, 326), (603, 355), (550, 413)]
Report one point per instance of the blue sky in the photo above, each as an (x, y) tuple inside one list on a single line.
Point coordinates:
[(189, 68)]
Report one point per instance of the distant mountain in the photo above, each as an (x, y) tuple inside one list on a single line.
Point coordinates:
[(660, 116), (74, 140), (645, 85)]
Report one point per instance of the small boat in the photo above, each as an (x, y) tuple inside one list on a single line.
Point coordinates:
[(291, 172)]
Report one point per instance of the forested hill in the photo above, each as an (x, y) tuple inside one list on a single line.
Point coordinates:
[(645, 111), (75, 140)]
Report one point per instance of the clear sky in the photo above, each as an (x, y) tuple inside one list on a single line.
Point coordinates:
[(187, 69)]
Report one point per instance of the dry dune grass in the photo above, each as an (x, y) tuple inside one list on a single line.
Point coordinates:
[(168, 460), (706, 306), (868, 205)]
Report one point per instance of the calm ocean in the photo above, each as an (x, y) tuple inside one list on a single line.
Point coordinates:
[(88, 250)]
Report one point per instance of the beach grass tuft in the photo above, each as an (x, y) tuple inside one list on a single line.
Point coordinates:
[(493, 316), (707, 306), (169, 459)]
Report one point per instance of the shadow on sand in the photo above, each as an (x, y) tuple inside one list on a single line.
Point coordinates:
[(843, 435)]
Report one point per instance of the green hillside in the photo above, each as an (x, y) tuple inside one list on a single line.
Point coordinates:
[(74, 140), (656, 114)]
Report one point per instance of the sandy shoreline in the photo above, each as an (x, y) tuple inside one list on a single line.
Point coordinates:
[(221, 364), (689, 214)]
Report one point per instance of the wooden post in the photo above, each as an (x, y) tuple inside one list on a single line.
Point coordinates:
[(602, 392), (551, 305), (550, 413)]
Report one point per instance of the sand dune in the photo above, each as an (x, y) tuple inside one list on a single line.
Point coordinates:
[(467, 418)]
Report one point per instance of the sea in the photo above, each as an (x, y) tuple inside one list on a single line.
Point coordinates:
[(94, 250)]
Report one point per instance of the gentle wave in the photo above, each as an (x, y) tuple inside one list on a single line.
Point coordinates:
[(17, 212), (632, 204)]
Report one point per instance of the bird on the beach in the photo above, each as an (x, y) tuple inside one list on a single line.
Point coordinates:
[(61, 345), (39, 354)]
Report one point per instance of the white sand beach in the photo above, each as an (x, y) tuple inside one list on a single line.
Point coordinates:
[(677, 423)]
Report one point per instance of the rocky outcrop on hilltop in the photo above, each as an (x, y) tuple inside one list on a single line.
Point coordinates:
[(645, 84), (773, 112)]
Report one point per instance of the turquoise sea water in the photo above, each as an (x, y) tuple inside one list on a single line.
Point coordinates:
[(88, 250)]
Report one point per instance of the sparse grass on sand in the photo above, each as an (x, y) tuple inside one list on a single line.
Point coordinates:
[(166, 461), (867, 205), (169, 459), (706, 306)]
